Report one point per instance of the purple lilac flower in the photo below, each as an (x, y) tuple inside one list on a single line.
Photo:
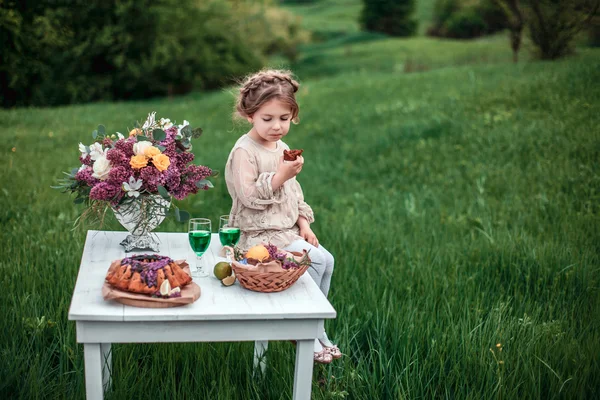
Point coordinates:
[(118, 175), (152, 178), (117, 157), (170, 136), (105, 191), (126, 146), (85, 175), (172, 178), (87, 160)]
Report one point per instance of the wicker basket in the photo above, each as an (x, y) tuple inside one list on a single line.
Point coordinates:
[(267, 282)]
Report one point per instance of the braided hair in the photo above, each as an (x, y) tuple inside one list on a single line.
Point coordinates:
[(261, 87)]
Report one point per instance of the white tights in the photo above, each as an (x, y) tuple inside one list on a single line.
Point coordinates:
[(320, 272)]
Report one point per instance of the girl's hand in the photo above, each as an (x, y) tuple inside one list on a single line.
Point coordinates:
[(309, 236), (285, 171)]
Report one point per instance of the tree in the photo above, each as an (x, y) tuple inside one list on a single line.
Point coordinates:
[(553, 24), (393, 17), (516, 21)]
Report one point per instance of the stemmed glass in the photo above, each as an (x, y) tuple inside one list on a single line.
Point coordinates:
[(199, 233), (228, 235)]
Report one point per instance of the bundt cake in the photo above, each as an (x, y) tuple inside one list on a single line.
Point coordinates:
[(146, 273)]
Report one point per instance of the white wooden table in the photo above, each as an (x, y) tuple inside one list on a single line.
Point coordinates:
[(220, 314)]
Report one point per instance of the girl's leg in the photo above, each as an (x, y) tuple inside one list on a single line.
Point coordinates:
[(321, 272), (319, 265)]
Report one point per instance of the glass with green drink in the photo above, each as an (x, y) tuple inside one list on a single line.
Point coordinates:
[(228, 235), (199, 233)]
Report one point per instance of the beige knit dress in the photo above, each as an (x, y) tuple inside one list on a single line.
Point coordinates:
[(263, 215)]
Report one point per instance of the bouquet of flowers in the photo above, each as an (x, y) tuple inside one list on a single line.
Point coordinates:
[(137, 175)]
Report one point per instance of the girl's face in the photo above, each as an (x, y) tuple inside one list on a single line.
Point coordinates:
[(271, 123)]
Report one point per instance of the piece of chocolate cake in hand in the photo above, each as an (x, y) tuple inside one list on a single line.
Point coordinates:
[(291, 155)]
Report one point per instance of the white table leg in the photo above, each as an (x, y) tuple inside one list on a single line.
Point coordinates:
[(259, 355), (92, 355), (304, 369), (106, 365)]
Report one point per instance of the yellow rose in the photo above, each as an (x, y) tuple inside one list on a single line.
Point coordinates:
[(151, 151), (138, 162), (135, 132), (161, 162)]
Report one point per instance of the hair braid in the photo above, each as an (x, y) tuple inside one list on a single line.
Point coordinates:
[(263, 86)]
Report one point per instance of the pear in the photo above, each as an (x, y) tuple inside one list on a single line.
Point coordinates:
[(165, 288), (229, 280)]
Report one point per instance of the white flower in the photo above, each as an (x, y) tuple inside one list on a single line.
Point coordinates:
[(96, 151), (185, 123), (132, 188), (120, 135), (165, 123), (83, 149), (101, 168), (82, 168), (140, 147), (150, 121)]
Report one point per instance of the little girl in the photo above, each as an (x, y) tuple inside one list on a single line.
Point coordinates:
[(268, 203)]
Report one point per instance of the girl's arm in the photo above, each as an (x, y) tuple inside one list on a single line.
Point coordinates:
[(306, 232), (254, 190)]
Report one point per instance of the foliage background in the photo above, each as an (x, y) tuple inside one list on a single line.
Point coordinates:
[(461, 204)]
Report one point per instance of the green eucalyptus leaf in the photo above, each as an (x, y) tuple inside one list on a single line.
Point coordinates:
[(183, 216), (186, 131), (204, 182), (215, 173), (101, 130), (159, 134), (94, 134), (163, 192), (161, 148), (78, 200), (141, 138), (196, 133)]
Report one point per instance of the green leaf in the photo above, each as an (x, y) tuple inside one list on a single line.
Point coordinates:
[(204, 182), (183, 215), (101, 130), (141, 138), (163, 192), (186, 131), (136, 125), (95, 134), (79, 200), (161, 148), (196, 133), (215, 173), (159, 134)]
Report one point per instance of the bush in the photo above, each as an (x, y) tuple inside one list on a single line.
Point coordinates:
[(465, 24), (70, 51), (392, 17), (466, 19)]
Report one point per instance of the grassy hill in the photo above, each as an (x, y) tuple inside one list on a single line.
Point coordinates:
[(461, 203)]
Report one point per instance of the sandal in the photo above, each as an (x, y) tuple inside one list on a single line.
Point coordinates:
[(323, 356), (333, 350)]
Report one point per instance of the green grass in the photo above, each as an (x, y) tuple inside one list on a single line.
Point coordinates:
[(462, 205)]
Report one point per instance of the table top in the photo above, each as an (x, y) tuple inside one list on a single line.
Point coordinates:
[(303, 300)]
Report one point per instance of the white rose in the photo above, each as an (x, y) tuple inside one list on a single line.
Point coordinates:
[(101, 168), (96, 151), (140, 147)]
